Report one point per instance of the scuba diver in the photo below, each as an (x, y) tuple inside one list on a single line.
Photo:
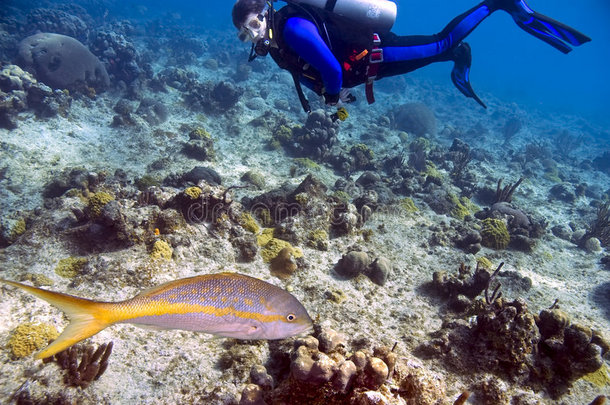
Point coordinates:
[(331, 46)]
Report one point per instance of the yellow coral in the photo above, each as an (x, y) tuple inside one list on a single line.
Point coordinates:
[(600, 377), (248, 222), (264, 216), (200, 133), (17, 230), (193, 192), (70, 266), (29, 337), (408, 205), (318, 239), (161, 250), (97, 202), (306, 163), (433, 174), (265, 236), (484, 262), (495, 234), (272, 249), (362, 148), (460, 210)]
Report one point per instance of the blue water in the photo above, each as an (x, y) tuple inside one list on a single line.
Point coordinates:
[(515, 66), (507, 62)]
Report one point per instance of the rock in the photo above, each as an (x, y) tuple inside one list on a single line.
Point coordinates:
[(199, 173), (593, 245), (416, 119), (246, 247), (252, 395), (368, 179), (61, 62), (260, 377), (562, 231), (563, 192), (577, 236), (379, 270), (352, 264), (552, 322)]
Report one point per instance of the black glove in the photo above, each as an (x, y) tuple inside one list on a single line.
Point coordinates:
[(331, 99), (346, 96)]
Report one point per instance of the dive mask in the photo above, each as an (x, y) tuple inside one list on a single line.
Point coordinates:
[(252, 28)]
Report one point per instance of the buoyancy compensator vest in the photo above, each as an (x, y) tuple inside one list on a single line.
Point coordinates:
[(349, 42)]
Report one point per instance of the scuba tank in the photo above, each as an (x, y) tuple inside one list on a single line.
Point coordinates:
[(375, 14)]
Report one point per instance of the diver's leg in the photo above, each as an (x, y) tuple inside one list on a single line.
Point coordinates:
[(402, 54), (545, 28), (421, 47)]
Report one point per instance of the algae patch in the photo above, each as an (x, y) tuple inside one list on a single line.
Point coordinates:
[(70, 267)]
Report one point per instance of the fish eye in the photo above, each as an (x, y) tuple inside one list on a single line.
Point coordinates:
[(291, 317)]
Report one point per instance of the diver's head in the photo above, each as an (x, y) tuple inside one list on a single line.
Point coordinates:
[(249, 19)]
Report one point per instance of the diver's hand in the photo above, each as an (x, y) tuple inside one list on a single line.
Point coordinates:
[(346, 96), (332, 99)]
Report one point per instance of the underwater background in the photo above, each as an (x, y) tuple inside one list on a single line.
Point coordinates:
[(447, 254)]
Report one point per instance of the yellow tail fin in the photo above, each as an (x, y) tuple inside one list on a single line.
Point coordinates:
[(87, 317)]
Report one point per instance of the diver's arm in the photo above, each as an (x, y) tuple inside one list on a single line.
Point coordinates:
[(303, 37)]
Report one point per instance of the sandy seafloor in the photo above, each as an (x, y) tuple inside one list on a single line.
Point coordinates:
[(155, 367)]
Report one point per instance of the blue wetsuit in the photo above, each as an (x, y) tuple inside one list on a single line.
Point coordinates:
[(401, 54), (319, 51)]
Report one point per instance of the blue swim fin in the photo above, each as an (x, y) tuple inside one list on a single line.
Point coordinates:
[(461, 70), (553, 32)]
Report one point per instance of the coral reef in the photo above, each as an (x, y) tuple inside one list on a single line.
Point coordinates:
[(97, 202), (324, 370), (200, 145), (511, 127), (59, 22), (600, 227), (19, 91), (545, 352), (212, 98), (316, 138), (119, 54)]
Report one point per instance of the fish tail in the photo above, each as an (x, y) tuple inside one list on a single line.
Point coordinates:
[(87, 317)]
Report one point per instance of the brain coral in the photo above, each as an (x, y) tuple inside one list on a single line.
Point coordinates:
[(494, 234), (61, 62), (415, 118)]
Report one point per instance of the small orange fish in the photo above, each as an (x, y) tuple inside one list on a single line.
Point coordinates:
[(224, 304)]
